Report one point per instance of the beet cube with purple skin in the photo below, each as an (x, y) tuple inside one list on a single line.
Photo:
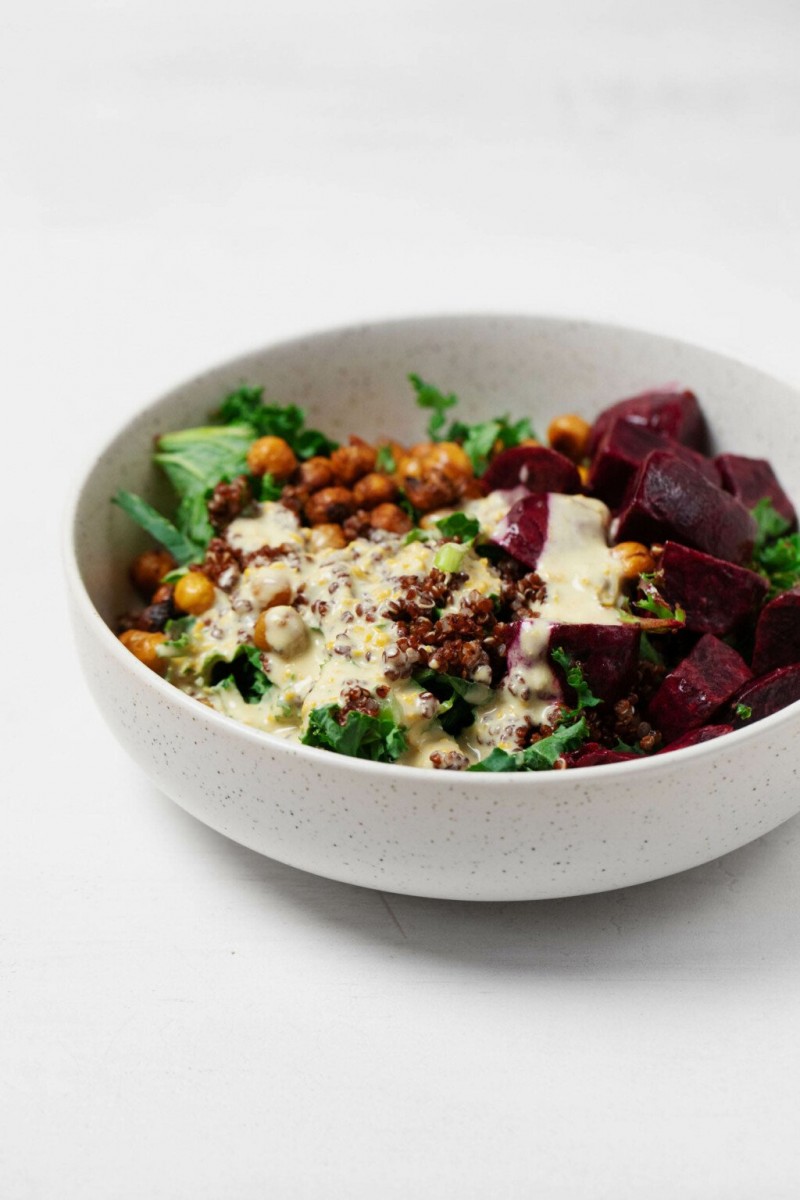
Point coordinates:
[(537, 468), (624, 447), (705, 734), (753, 479), (607, 654), (523, 531), (698, 687), (670, 498), (778, 634), (766, 695), (717, 596), (669, 410)]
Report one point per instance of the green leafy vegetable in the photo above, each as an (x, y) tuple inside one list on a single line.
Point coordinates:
[(459, 525), (478, 440), (429, 396), (744, 712), (585, 698), (542, 755), (777, 552), (180, 547), (379, 739), (179, 636), (384, 460), (246, 407), (458, 698), (244, 671), (648, 651), (195, 461), (416, 535), (652, 601), (268, 489)]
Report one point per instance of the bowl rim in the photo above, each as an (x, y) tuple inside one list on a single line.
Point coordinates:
[(668, 760)]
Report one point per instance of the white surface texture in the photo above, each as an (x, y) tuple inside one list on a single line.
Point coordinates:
[(180, 1018)]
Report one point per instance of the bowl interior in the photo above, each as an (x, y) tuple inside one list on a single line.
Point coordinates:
[(355, 381)]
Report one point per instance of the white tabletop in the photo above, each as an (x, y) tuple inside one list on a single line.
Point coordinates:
[(180, 1018)]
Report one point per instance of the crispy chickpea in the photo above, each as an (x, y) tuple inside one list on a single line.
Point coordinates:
[(326, 537), (634, 558), (194, 593), (430, 489), (570, 436), (330, 506), (148, 569), (282, 630), (391, 518), (316, 473), (271, 456), (270, 586), (354, 461), (373, 489), (450, 458), (144, 646)]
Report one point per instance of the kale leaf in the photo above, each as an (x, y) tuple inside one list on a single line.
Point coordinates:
[(542, 755), (182, 548), (244, 671), (458, 698), (777, 552), (459, 525), (246, 407), (429, 396), (479, 439), (379, 739)]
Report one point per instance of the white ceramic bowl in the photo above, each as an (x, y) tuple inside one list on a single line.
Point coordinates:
[(426, 832)]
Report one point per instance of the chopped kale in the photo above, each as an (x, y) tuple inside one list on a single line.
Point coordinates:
[(777, 552), (179, 635), (384, 460), (458, 698), (542, 755), (459, 525), (575, 678), (429, 396), (246, 407), (182, 548), (379, 739), (243, 671), (478, 439)]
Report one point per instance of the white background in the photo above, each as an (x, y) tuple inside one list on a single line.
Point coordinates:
[(183, 181)]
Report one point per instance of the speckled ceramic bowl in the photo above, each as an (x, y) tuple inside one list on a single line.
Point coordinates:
[(425, 832)]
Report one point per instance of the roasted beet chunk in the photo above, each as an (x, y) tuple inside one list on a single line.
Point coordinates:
[(671, 499), (766, 696), (621, 451), (534, 467), (698, 687), (608, 655), (523, 532), (592, 754), (668, 410), (778, 634), (717, 596), (706, 734), (753, 479)]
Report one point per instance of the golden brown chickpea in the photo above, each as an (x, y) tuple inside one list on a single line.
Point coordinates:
[(450, 458), (391, 518), (373, 489), (271, 456), (430, 489), (282, 630), (270, 586), (316, 473), (194, 593), (570, 435), (148, 569), (635, 560), (326, 537), (144, 646), (354, 461), (330, 506)]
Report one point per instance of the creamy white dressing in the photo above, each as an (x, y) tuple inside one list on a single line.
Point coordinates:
[(339, 596)]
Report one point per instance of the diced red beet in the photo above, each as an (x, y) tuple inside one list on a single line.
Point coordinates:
[(668, 410), (705, 734), (717, 596), (778, 634), (753, 479), (698, 687), (608, 655), (767, 695), (670, 498), (621, 451), (523, 532), (537, 468), (592, 754)]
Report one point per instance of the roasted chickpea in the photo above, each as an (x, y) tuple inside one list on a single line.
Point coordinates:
[(162, 594), (282, 630), (373, 489), (635, 560), (430, 489), (391, 518), (329, 506), (148, 569), (351, 462), (570, 435), (316, 473), (271, 456), (450, 458), (326, 537), (144, 646), (194, 593), (270, 586)]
